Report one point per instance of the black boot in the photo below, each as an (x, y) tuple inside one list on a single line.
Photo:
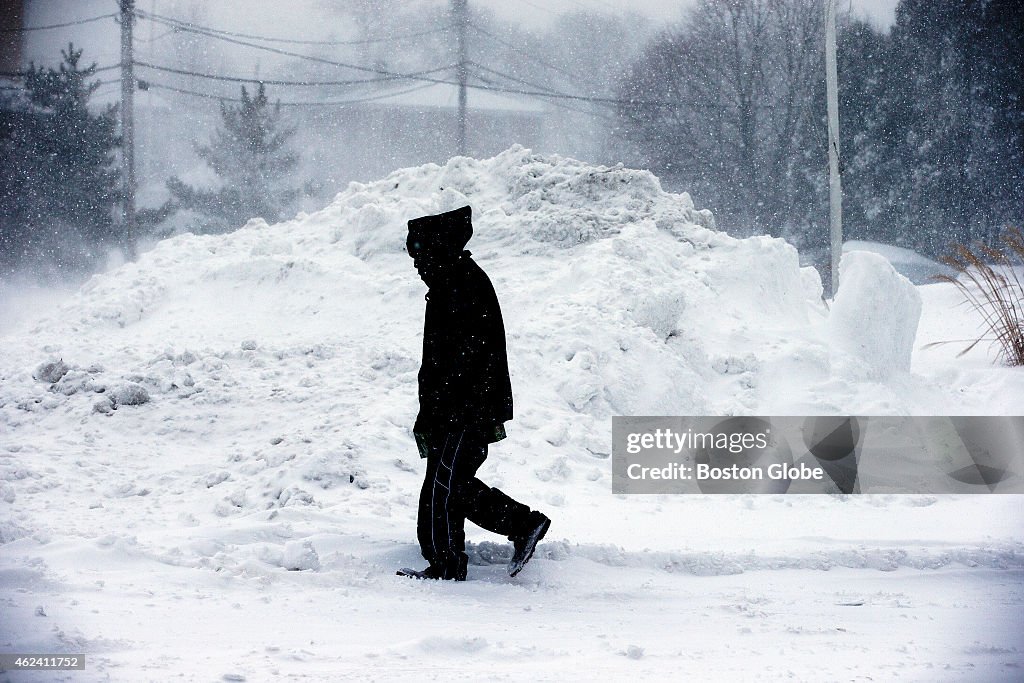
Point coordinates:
[(456, 572), (525, 543)]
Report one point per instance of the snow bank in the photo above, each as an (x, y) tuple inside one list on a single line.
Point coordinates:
[(874, 317), (613, 290), (260, 453), (273, 369)]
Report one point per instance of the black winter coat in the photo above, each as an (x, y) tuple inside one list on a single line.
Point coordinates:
[(464, 379)]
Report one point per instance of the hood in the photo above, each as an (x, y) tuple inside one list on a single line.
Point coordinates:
[(440, 235)]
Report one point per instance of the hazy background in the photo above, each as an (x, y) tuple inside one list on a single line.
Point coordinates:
[(930, 107), (315, 18), (170, 125)]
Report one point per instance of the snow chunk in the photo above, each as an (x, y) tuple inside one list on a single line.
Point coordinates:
[(634, 652), (300, 555), (453, 645), (75, 381), (214, 478), (186, 357), (659, 311), (874, 318), (810, 278), (6, 493), (129, 394), (51, 371), (10, 531)]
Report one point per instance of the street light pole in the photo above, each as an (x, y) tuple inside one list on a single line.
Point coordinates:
[(128, 124), (461, 19), (835, 185)]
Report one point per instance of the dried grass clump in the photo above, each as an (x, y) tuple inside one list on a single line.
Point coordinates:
[(990, 281)]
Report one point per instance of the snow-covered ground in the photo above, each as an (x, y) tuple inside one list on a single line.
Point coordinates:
[(258, 390)]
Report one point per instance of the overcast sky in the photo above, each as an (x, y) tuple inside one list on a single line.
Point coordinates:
[(881, 12), (309, 19)]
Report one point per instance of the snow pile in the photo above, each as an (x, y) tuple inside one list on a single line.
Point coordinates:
[(874, 317), (609, 284), (281, 360), (227, 422)]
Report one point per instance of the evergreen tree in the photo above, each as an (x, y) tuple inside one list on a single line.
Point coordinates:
[(873, 118), (731, 106), (59, 186), (250, 154), (1000, 127), (931, 125), (959, 79)]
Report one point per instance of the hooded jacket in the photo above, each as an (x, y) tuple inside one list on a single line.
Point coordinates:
[(463, 379)]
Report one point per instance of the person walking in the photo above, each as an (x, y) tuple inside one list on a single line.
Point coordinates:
[(465, 398)]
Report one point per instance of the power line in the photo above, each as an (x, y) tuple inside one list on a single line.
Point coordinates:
[(295, 41), (184, 91), (359, 100), (333, 103), (391, 75), (554, 93), (540, 7), (491, 87), (514, 79), (157, 38), (384, 95), (423, 76), (70, 23), (554, 103), (270, 81), (521, 51), (395, 75), (561, 96), (561, 105), (610, 6), (193, 28)]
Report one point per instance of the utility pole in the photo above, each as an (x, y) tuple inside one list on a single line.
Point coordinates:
[(835, 184), (128, 124), (460, 10), (12, 41)]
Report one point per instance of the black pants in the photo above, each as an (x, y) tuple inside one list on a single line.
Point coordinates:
[(451, 493)]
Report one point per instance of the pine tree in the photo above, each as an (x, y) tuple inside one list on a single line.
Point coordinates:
[(59, 186), (999, 130), (250, 154), (963, 146), (873, 118)]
